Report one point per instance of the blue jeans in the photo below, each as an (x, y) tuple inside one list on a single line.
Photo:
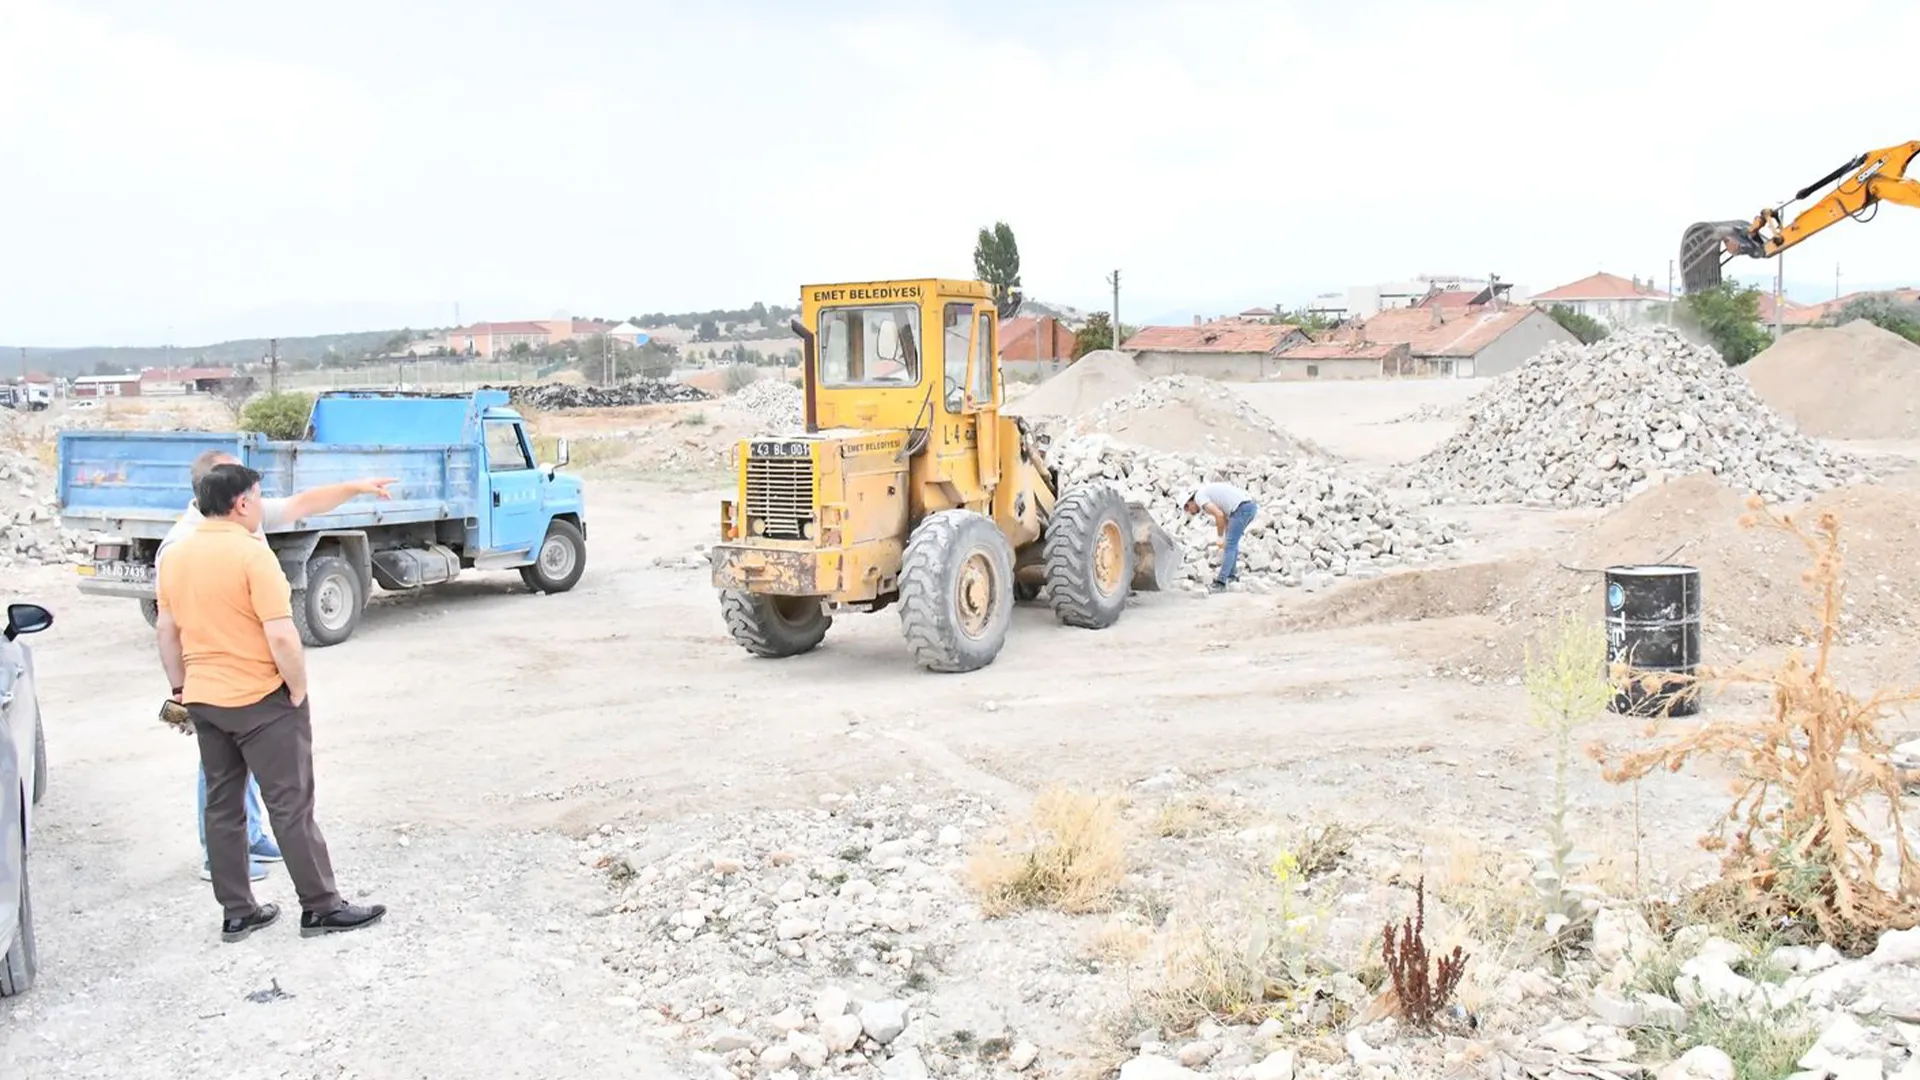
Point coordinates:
[(256, 814), (1237, 523)]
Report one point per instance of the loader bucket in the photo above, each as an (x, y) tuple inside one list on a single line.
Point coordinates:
[(1156, 558), (1705, 246)]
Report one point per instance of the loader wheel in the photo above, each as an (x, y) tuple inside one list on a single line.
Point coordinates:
[(1089, 553), (956, 591), (774, 626)]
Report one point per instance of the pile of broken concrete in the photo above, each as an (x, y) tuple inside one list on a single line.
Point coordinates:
[(551, 396), (1314, 524), (1593, 425)]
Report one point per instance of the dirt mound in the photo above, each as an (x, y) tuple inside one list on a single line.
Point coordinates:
[(1593, 425), (1850, 382), (1088, 383), (1182, 414), (1751, 578)]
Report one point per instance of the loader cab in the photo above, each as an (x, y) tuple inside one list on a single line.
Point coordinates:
[(885, 355)]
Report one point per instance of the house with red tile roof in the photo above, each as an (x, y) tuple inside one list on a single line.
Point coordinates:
[(1348, 360), (1227, 349), (1477, 341), (1607, 298), (193, 380), (1031, 338)]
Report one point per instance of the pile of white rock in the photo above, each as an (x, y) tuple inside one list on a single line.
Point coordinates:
[(775, 403), (30, 532), (1313, 525), (1593, 425)]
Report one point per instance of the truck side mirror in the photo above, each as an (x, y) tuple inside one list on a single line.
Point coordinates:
[(560, 456)]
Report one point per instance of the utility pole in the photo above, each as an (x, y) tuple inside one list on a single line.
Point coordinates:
[(1779, 290), (1113, 279), (273, 365), (1836, 281)]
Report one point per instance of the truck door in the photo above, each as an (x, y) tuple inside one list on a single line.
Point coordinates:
[(517, 515)]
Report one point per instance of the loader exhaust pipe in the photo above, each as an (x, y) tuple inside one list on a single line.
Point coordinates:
[(806, 371)]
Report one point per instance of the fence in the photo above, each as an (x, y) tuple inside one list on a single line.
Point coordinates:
[(424, 374)]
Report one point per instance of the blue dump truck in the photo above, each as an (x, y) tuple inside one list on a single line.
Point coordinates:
[(469, 495)]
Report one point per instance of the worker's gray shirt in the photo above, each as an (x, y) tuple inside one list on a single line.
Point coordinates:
[(1223, 495)]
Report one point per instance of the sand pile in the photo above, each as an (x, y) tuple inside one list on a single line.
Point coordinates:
[(1591, 425), (1086, 384), (1850, 382), (1184, 414), (1751, 579)]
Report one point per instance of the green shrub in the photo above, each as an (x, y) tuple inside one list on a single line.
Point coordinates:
[(281, 416), (741, 376)]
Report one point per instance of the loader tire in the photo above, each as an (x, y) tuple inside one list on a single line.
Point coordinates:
[(1089, 555), (956, 591), (774, 626)]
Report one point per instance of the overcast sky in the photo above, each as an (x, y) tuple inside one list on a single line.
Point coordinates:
[(189, 171)]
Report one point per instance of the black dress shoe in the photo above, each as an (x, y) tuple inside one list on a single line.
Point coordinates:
[(237, 929), (340, 920)]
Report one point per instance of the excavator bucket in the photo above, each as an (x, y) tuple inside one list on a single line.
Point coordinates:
[(1156, 558), (1705, 246)]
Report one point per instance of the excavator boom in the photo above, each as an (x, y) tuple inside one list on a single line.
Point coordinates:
[(1863, 183)]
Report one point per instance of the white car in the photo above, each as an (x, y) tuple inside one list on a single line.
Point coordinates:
[(23, 780)]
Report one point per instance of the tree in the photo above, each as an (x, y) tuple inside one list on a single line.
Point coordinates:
[(1728, 316), (708, 330), (1583, 327), (1885, 312), (996, 259), (1096, 335), (1311, 321)]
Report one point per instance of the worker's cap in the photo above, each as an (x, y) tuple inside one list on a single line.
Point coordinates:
[(1193, 496)]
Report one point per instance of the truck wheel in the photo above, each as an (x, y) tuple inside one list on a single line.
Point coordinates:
[(39, 760), (559, 562), (328, 610), (22, 961), (774, 626), (150, 611), (1089, 553), (956, 591)]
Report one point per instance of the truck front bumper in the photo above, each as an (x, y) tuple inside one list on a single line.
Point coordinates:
[(855, 574), (116, 578)]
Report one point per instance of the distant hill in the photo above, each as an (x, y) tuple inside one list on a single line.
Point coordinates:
[(297, 351)]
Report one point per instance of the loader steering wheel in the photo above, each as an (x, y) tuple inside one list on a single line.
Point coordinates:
[(956, 395)]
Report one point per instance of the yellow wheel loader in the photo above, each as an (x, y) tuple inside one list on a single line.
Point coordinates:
[(908, 488)]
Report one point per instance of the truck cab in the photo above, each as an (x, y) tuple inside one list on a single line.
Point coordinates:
[(468, 494)]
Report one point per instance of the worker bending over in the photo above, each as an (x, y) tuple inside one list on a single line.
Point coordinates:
[(1231, 510)]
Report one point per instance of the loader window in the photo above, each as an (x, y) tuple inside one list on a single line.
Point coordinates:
[(953, 357), (983, 361), (870, 346)]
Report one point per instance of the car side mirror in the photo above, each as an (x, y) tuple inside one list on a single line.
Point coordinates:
[(27, 619)]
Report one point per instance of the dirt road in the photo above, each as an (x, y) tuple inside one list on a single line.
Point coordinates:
[(468, 737)]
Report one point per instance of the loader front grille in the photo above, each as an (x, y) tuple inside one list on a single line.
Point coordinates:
[(779, 495)]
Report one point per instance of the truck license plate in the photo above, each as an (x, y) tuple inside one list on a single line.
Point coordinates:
[(122, 571)]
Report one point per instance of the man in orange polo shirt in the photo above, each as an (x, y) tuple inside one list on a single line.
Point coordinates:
[(233, 657)]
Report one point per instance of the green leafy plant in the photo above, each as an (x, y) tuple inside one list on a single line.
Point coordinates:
[(281, 416), (740, 376), (1584, 327)]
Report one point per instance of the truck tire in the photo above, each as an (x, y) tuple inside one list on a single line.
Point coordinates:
[(39, 760), (559, 561), (150, 611), (328, 610), (1089, 556), (774, 626), (22, 961), (956, 591)]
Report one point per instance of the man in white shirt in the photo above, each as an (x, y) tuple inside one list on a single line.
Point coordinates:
[(275, 513), (1232, 511)]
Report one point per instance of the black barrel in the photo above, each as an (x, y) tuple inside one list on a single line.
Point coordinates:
[(1653, 626)]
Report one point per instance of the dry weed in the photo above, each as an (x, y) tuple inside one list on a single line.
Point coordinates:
[(1800, 851), (1187, 816), (1068, 855)]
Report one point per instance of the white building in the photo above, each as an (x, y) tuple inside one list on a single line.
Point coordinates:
[(1366, 301), (1611, 300)]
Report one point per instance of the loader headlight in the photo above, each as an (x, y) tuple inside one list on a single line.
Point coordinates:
[(806, 530), (759, 527)]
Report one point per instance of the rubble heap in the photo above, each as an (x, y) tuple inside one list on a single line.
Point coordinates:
[(549, 396), (1592, 425), (30, 531), (777, 405), (1185, 414), (1086, 384), (1313, 525)]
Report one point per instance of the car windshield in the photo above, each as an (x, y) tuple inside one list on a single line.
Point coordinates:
[(870, 346)]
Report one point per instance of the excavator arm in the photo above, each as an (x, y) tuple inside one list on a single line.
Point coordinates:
[(1863, 183)]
